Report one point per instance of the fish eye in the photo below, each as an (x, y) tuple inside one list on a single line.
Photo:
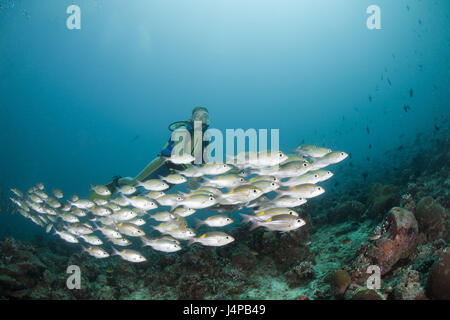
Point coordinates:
[(316, 176), (291, 212), (305, 164), (319, 188), (211, 198), (342, 153), (299, 220), (228, 237), (255, 191)]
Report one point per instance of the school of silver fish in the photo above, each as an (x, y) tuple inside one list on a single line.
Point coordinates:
[(271, 184)]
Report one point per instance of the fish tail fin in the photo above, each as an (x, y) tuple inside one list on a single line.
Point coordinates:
[(205, 181), (191, 241), (115, 251), (279, 194), (145, 241), (255, 224), (198, 223), (246, 218), (139, 183)]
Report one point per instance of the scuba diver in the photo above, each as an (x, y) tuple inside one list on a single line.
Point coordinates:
[(159, 166)]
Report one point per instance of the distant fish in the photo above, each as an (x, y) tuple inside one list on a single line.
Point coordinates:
[(420, 22), (370, 146), (346, 241), (370, 98), (368, 130), (389, 81), (407, 7), (411, 93), (367, 158), (436, 127), (374, 237), (364, 175), (406, 108), (400, 148), (135, 138)]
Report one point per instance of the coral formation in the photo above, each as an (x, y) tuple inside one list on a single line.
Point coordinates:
[(439, 282), (398, 239), (433, 219), (402, 226), (409, 287), (341, 281)]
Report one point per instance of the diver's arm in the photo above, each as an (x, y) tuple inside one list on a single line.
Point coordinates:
[(148, 170)]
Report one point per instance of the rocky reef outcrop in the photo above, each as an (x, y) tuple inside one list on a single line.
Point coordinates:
[(439, 282), (398, 238)]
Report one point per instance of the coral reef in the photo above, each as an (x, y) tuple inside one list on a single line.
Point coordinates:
[(366, 294), (409, 287), (398, 239), (400, 225), (298, 275), (433, 219), (341, 281), (439, 282)]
